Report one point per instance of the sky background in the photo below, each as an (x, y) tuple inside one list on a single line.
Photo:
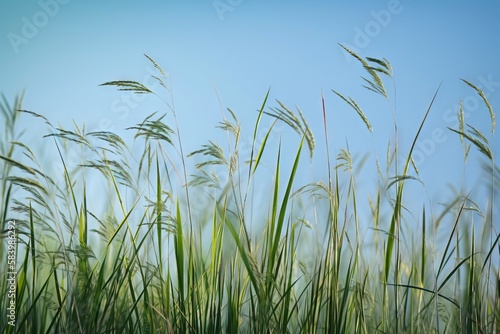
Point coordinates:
[(59, 52)]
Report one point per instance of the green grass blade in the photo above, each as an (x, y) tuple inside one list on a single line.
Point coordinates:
[(399, 196)]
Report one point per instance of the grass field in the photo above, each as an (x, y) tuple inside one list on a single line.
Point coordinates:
[(203, 257)]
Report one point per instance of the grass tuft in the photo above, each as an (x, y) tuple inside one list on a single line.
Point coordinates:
[(216, 241)]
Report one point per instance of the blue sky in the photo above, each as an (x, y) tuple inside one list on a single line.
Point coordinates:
[(59, 51)]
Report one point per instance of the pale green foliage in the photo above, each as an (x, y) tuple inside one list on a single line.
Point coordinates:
[(486, 102), (285, 115)]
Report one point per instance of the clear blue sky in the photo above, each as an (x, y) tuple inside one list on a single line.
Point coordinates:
[(59, 51)]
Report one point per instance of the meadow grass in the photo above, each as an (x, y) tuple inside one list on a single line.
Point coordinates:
[(181, 249)]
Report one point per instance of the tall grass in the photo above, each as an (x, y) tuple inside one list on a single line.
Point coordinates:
[(151, 261)]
